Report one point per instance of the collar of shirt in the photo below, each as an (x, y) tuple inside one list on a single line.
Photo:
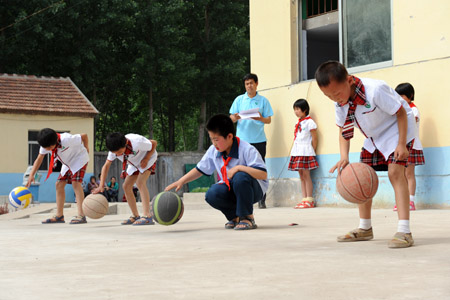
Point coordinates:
[(248, 97), (234, 152)]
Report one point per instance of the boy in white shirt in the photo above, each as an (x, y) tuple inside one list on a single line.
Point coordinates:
[(242, 171), (388, 124), (140, 155), (73, 152)]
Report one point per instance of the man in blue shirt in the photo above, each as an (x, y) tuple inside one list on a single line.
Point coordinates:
[(252, 130)]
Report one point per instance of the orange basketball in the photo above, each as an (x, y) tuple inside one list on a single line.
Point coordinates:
[(357, 183), (95, 206)]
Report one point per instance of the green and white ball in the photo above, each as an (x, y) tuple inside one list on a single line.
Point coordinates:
[(167, 208)]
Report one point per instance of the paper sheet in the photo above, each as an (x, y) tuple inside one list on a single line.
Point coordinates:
[(250, 113)]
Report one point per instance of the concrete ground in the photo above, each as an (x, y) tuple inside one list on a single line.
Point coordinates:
[(198, 259)]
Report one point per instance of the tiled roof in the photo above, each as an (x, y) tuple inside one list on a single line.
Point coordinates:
[(25, 94)]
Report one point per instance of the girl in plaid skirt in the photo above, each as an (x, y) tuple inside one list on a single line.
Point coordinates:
[(416, 157), (303, 155)]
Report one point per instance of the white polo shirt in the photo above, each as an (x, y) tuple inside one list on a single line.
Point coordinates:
[(72, 154), (303, 141), (244, 155), (417, 143), (141, 146), (377, 119)]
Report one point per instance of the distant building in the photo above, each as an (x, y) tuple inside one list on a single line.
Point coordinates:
[(28, 104)]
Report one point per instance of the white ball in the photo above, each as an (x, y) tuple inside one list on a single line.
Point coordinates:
[(20, 197)]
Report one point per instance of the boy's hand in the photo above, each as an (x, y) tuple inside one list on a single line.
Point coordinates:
[(340, 165), (98, 190), (30, 181), (401, 152), (177, 185), (232, 171), (144, 162)]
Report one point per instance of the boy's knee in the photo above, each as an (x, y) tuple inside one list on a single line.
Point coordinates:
[(241, 177), (60, 185)]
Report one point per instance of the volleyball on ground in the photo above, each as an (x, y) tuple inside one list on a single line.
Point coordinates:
[(20, 197)]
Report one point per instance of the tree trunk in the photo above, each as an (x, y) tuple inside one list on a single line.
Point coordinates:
[(202, 125), (150, 113), (171, 127)]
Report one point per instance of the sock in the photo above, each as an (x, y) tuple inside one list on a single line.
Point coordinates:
[(365, 224), (403, 226), (412, 198)]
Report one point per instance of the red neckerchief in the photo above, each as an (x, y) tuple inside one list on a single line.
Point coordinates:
[(412, 105), (128, 151), (298, 127), (358, 99), (223, 170), (54, 154)]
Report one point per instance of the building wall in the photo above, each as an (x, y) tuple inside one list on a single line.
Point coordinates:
[(421, 51), (14, 158)]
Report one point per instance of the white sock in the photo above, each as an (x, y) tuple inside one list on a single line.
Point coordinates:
[(412, 198), (403, 226), (365, 224)]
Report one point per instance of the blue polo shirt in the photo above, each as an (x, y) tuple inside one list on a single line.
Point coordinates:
[(242, 154), (250, 130)]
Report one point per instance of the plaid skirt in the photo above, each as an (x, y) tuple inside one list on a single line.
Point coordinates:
[(378, 161), (302, 163), (416, 157), (152, 170), (69, 177)]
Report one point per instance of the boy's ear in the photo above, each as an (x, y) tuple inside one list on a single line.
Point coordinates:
[(230, 135)]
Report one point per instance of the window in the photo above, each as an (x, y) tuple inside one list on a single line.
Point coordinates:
[(355, 32), (33, 152)]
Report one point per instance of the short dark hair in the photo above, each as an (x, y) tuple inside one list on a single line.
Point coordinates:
[(221, 124), (330, 70), (303, 105), (47, 137), (406, 89), (250, 76), (115, 141)]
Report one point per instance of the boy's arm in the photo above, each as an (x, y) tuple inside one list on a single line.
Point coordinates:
[(37, 163), (255, 173), (314, 138), (401, 152), (190, 176), (149, 154), (85, 141), (344, 148), (104, 174)]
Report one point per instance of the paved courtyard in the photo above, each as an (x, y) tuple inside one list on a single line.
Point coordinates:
[(198, 259)]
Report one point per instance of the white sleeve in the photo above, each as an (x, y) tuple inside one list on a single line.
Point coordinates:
[(387, 99), (206, 164), (111, 156), (43, 151)]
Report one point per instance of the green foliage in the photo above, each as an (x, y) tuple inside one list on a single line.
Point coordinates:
[(147, 66), (200, 190)]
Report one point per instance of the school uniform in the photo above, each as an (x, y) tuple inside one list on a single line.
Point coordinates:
[(377, 120), (416, 156), (234, 197), (303, 155), (135, 150), (70, 151)]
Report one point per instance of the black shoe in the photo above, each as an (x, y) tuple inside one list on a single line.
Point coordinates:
[(262, 204)]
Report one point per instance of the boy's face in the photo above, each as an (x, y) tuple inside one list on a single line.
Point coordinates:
[(339, 92), (50, 148), (119, 152), (250, 87), (222, 144)]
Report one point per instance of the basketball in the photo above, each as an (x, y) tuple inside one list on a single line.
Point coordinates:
[(20, 197), (95, 206), (357, 183), (167, 208)]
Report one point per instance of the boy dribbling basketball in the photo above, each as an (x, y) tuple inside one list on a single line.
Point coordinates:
[(72, 151), (388, 124)]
